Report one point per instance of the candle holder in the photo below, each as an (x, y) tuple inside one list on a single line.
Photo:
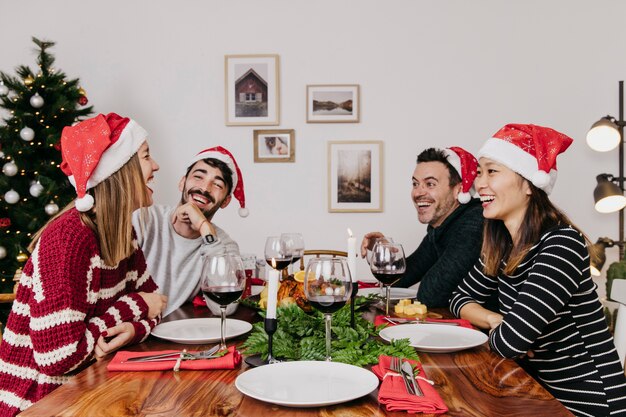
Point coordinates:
[(355, 290), (270, 326)]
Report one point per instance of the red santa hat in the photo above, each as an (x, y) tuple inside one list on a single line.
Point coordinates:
[(465, 164), (95, 149), (529, 150), (222, 154)]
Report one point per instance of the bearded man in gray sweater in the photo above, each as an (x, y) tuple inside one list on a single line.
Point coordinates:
[(174, 239)]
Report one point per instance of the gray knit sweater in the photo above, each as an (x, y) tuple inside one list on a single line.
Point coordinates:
[(174, 261)]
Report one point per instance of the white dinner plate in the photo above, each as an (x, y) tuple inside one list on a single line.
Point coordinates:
[(396, 293), (256, 289), (436, 338), (199, 331), (306, 383)]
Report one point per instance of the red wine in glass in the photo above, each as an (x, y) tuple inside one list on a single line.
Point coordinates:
[(223, 295), (327, 304), (281, 263), (387, 277)]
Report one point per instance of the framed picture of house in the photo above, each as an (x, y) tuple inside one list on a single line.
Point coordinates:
[(274, 145), (355, 176), (333, 103), (252, 90)]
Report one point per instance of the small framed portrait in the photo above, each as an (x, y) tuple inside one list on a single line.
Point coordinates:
[(333, 103), (252, 90), (355, 176), (274, 145)]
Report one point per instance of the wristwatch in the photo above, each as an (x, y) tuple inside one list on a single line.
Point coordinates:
[(208, 239)]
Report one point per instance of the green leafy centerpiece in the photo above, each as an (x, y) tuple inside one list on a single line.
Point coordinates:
[(300, 336)]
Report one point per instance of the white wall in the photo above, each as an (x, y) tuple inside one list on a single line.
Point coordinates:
[(432, 73)]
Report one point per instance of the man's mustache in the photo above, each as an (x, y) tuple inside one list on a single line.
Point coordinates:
[(202, 193)]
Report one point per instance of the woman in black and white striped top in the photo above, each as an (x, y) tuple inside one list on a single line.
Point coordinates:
[(550, 318)]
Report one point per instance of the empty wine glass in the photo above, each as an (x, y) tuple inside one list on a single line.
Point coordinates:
[(222, 280), (278, 255), (388, 264), (373, 241), (295, 243), (327, 287)]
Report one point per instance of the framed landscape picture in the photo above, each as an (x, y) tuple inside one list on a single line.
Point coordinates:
[(252, 90), (274, 145), (355, 176), (333, 103)]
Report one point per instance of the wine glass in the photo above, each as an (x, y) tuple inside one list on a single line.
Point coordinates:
[(387, 265), (278, 255), (327, 287), (295, 243), (222, 280), (368, 256)]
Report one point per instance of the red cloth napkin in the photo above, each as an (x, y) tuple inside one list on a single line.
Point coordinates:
[(199, 301), (363, 284), (256, 281), (393, 395), (229, 361), (462, 322)]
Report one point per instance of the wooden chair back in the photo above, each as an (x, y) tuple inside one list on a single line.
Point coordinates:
[(321, 252)]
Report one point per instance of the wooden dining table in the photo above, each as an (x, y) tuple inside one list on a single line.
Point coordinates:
[(472, 382)]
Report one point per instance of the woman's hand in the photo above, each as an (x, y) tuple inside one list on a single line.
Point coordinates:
[(156, 303), (117, 337), (494, 320)]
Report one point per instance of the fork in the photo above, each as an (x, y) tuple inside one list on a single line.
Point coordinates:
[(396, 363), (394, 320), (182, 355)]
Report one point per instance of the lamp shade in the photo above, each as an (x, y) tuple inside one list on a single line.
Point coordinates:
[(608, 196), (603, 135)]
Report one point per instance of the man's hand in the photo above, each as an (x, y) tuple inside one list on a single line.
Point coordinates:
[(190, 213), (368, 242), (117, 337)]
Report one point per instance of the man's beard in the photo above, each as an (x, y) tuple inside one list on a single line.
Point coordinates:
[(208, 213)]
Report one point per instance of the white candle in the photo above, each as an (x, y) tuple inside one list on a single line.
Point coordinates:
[(352, 255), (272, 292)]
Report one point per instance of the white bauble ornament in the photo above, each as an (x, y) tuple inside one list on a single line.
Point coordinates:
[(51, 208), (9, 169), (27, 134), (3, 252), (11, 197), (1, 154), (36, 101), (36, 189), (3, 89)]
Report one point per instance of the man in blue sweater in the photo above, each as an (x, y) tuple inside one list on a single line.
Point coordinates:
[(442, 183)]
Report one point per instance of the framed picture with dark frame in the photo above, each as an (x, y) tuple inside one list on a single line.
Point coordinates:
[(274, 145), (355, 176), (252, 93), (339, 103)]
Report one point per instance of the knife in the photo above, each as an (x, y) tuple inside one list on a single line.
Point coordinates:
[(406, 370), (400, 320)]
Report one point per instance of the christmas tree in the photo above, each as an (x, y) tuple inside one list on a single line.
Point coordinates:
[(37, 106)]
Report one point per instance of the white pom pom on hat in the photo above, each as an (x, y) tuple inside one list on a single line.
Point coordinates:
[(529, 150), (96, 148), (466, 165), (224, 155)]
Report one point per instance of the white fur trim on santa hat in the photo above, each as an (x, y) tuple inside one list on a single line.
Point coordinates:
[(519, 161), (222, 157)]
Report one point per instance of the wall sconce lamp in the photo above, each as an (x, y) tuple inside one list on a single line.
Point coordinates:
[(606, 134)]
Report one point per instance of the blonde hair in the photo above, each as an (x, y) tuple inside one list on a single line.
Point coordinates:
[(111, 217)]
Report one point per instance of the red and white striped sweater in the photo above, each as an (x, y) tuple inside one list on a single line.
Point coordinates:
[(66, 298)]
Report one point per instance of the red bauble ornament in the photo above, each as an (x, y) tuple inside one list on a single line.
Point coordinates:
[(5, 222), (57, 146), (82, 100)]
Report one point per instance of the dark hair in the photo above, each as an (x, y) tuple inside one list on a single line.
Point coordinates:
[(438, 155), (221, 165), (541, 215)]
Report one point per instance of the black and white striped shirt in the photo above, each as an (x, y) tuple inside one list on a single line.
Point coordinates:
[(550, 306)]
